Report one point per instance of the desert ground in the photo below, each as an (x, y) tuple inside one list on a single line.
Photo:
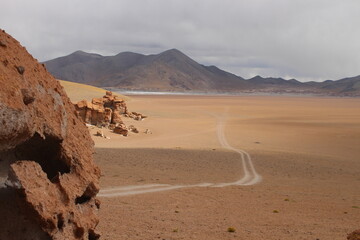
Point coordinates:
[(190, 176)]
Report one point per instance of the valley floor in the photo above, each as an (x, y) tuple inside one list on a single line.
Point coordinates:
[(305, 149)]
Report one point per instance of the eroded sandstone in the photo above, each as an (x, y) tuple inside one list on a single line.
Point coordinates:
[(48, 180), (102, 111), (107, 112)]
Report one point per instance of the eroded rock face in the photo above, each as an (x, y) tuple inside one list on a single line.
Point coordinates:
[(102, 111), (48, 181), (107, 112)]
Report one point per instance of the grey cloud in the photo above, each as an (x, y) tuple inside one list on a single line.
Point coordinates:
[(304, 39)]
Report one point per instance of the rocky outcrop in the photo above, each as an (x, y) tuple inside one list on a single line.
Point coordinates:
[(107, 112), (48, 180), (355, 235), (102, 111)]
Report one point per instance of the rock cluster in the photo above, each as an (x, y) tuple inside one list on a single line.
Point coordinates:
[(135, 116), (48, 180), (107, 112), (102, 111)]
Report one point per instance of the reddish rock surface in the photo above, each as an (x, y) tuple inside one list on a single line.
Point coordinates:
[(121, 129), (136, 116), (355, 235), (107, 112), (48, 181), (102, 111)]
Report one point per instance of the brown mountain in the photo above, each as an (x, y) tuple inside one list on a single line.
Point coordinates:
[(343, 87), (168, 71), (174, 71)]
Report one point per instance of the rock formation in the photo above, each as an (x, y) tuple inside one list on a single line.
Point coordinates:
[(48, 181), (107, 112), (121, 129), (102, 111)]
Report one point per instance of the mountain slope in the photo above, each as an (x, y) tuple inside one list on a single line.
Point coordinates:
[(172, 70), (168, 71), (346, 86)]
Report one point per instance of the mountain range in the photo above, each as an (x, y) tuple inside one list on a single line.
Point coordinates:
[(173, 71)]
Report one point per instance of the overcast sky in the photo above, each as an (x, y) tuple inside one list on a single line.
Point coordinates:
[(303, 39)]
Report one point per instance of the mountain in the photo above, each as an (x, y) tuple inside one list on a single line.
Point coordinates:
[(172, 70), (168, 71), (343, 87)]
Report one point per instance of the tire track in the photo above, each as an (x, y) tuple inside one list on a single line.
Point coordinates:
[(250, 175)]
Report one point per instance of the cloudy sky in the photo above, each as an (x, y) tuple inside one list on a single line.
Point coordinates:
[(303, 39)]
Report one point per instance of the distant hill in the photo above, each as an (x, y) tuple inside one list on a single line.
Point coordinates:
[(172, 70), (168, 71), (343, 87)]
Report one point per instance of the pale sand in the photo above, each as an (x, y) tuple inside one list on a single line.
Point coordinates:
[(306, 150), (77, 91)]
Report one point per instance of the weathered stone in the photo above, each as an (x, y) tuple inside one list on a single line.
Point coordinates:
[(97, 101), (108, 115), (112, 126), (121, 129), (133, 129), (100, 133), (52, 181), (116, 118), (147, 131), (81, 108), (2, 43), (136, 116), (102, 111), (106, 112), (28, 96), (20, 69), (97, 116)]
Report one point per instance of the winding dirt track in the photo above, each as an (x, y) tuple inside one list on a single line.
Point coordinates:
[(250, 176)]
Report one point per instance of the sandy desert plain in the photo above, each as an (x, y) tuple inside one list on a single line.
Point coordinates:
[(301, 179)]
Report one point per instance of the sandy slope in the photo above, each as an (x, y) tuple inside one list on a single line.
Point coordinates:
[(306, 150), (77, 91)]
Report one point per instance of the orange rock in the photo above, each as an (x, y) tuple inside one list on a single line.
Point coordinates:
[(136, 116), (97, 101), (106, 112), (102, 111), (120, 106), (116, 117), (53, 181), (108, 115), (121, 129)]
